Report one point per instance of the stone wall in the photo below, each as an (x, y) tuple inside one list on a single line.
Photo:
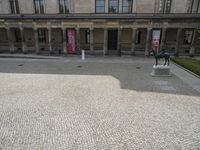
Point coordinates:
[(84, 6), (51, 6), (145, 6), (179, 6), (4, 7), (26, 7)]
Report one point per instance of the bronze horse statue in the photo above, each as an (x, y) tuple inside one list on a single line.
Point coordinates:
[(161, 55)]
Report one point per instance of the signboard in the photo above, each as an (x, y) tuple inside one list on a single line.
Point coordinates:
[(156, 40), (71, 47)]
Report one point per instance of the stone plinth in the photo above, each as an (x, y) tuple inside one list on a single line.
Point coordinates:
[(160, 70)]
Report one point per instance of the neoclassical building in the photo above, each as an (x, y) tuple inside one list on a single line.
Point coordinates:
[(101, 27)]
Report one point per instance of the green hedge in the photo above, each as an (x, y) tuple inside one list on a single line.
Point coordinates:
[(188, 63)]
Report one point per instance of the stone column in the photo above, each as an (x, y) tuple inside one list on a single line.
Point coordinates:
[(37, 48), (163, 37), (23, 40), (178, 41), (134, 31), (10, 40), (192, 48), (64, 37), (50, 40), (92, 40), (148, 40), (105, 47), (119, 41), (78, 40)]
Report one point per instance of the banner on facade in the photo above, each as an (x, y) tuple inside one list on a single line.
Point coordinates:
[(71, 46), (156, 40)]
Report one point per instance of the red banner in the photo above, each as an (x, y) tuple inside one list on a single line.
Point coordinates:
[(71, 47)]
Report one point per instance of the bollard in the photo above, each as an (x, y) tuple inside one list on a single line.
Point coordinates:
[(83, 55)]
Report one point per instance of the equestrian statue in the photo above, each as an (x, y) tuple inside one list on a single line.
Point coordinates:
[(162, 54)]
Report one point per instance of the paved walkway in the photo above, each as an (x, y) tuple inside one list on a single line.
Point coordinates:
[(101, 103)]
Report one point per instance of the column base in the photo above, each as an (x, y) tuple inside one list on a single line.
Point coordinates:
[(161, 71)]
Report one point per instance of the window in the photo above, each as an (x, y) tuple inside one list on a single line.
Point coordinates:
[(14, 6), (100, 6), (168, 6), (113, 6), (138, 37), (39, 6), (87, 36), (165, 6), (127, 6), (64, 6), (42, 35), (18, 37), (188, 37), (198, 9)]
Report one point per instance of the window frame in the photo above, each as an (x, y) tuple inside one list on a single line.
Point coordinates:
[(127, 7), (109, 7)]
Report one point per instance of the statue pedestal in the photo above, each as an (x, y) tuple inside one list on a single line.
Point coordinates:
[(161, 71)]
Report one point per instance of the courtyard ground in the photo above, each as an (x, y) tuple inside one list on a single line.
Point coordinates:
[(109, 103)]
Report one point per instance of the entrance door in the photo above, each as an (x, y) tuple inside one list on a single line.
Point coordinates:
[(112, 39), (71, 37)]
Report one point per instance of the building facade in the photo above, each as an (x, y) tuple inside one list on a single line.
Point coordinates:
[(101, 27)]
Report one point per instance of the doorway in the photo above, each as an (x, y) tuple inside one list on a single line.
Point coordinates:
[(112, 39)]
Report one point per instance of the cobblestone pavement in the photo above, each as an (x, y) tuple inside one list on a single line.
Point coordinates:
[(102, 103)]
